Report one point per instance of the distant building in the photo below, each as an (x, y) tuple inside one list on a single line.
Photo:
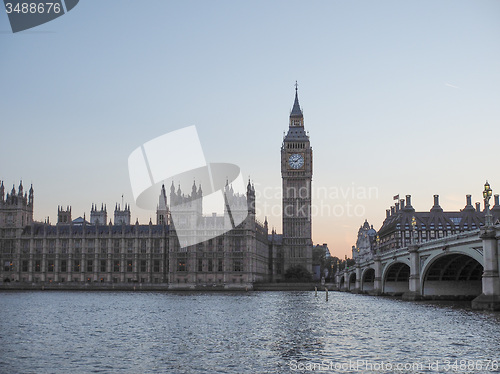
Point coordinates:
[(320, 253), (365, 243), (396, 230), (324, 248)]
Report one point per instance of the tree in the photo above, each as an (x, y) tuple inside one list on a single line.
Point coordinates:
[(298, 273), (331, 264)]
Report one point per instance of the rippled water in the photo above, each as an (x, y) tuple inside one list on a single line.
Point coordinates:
[(254, 332)]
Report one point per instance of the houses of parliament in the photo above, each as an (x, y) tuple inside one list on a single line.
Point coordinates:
[(106, 253)]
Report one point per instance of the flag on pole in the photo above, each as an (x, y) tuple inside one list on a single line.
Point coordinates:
[(396, 197)]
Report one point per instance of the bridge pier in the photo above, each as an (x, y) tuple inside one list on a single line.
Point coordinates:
[(415, 292), (490, 298), (357, 285), (377, 282)]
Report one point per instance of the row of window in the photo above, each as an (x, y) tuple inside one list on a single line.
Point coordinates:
[(295, 145), (91, 243), (89, 267), (89, 280), (8, 247), (421, 235), (210, 265)]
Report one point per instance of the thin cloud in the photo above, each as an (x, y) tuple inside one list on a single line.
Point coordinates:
[(451, 85)]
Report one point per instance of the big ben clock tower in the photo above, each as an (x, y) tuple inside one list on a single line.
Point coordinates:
[(296, 172)]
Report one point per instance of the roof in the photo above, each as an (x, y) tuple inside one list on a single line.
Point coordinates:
[(296, 134), (296, 111), (79, 221), (464, 220)]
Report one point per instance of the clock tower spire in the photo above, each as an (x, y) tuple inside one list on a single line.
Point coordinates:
[(296, 116), (296, 173)]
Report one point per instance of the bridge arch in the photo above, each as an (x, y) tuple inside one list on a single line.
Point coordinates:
[(352, 281), (368, 280), (342, 282), (452, 274), (396, 278)]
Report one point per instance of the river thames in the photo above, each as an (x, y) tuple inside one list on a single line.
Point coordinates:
[(253, 332)]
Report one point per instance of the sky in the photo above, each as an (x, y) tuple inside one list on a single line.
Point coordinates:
[(398, 98)]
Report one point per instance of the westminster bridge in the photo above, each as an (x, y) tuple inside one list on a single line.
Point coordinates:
[(465, 266)]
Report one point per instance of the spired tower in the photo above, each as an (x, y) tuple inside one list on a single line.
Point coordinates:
[(162, 208), (16, 209), (122, 217), (296, 172), (98, 217)]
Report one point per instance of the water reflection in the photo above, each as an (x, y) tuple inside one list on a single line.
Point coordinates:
[(59, 332)]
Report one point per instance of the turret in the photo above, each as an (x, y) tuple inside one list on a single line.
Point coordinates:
[(15, 209), (31, 197), (122, 217), (98, 217), (162, 210), (173, 196), (194, 194), (250, 198), (63, 216)]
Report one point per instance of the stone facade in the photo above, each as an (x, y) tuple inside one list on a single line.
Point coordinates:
[(296, 172), (79, 251)]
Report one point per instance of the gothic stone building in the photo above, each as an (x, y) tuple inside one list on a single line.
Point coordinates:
[(120, 252)]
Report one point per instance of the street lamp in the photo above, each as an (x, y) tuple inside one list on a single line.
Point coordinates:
[(487, 195)]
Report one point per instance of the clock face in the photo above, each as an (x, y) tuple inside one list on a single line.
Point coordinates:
[(296, 161)]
